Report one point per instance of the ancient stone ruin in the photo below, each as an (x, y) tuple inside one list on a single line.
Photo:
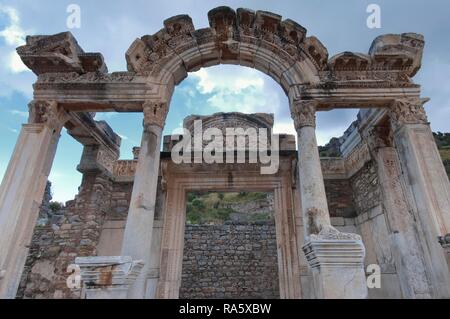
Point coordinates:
[(384, 201)]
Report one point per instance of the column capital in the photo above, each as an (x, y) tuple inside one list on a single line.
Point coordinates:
[(48, 113), (303, 113), (155, 112), (408, 110), (377, 137)]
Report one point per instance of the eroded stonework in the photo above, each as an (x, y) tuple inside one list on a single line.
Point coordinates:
[(398, 207)]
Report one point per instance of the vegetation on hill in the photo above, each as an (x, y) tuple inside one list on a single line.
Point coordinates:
[(443, 144), (332, 149), (211, 208)]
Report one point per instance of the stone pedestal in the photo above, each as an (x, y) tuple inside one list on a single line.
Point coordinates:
[(108, 277), (137, 241), (337, 266)]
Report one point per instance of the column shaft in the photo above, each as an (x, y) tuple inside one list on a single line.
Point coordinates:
[(137, 242), (336, 259), (403, 232), (427, 183), (21, 195), (312, 189)]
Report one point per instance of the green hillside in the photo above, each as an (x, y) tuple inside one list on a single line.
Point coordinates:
[(211, 208), (443, 144)]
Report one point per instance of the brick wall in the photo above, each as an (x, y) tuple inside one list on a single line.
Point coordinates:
[(365, 188), (230, 261), (56, 243), (340, 198)]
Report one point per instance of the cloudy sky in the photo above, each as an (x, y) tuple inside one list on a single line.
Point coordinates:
[(110, 27)]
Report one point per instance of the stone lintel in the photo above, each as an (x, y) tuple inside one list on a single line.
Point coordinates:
[(82, 127)]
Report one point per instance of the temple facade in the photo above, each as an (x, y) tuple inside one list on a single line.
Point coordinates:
[(384, 202)]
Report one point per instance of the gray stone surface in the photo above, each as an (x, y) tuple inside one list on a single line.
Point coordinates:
[(230, 261)]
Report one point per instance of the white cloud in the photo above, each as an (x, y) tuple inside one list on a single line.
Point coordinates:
[(64, 185), (15, 63), (13, 35), (284, 128), (226, 78), (19, 113), (103, 116), (234, 88)]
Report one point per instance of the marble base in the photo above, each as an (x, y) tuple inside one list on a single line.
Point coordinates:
[(338, 268)]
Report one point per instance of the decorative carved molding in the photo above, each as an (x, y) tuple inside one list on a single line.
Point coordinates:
[(408, 111), (333, 168), (304, 113), (125, 168), (48, 113), (101, 272), (377, 137), (59, 53), (107, 158), (91, 77), (331, 233), (317, 51), (155, 113), (240, 36)]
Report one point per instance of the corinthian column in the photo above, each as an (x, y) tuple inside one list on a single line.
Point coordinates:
[(23, 187), (312, 189), (427, 183), (336, 259), (403, 232), (137, 242)]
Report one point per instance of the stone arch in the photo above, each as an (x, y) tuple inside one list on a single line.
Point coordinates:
[(261, 40), (75, 83)]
